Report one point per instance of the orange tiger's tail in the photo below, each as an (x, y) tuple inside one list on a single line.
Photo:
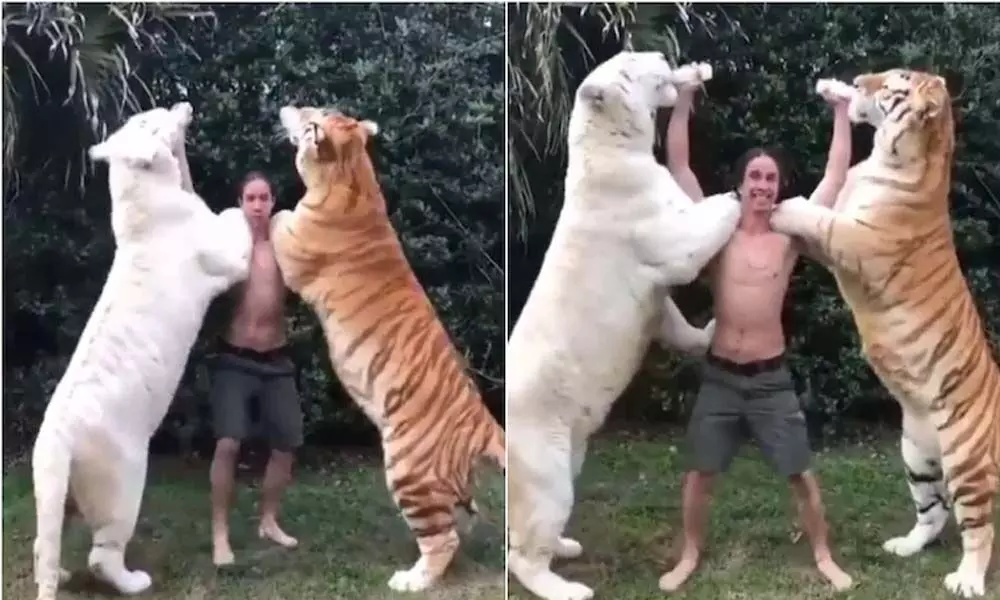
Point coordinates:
[(496, 445)]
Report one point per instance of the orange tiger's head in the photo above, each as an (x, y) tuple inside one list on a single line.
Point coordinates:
[(330, 144), (911, 111)]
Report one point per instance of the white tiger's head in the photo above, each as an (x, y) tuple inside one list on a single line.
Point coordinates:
[(148, 140), (909, 109), (623, 93)]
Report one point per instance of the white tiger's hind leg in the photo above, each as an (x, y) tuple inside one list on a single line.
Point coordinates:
[(925, 477), (50, 465), (569, 547), (114, 528), (545, 504)]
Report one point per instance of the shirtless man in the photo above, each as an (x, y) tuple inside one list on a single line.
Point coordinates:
[(253, 363), (745, 375)]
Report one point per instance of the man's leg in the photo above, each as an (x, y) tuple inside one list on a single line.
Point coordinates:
[(713, 440), (282, 413), (810, 508), (230, 393), (779, 426)]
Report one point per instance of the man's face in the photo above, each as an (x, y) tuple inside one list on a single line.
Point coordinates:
[(759, 190), (256, 201)]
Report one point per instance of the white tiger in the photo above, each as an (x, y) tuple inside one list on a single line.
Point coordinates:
[(626, 233), (173, 257)]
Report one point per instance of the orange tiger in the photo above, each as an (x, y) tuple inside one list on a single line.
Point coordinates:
[(340, 253), (891, 249)]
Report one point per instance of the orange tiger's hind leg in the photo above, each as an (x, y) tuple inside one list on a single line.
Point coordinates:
[(925, 477), (972, 481), (437, 538)]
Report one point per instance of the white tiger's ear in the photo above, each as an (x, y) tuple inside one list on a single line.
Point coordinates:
[(130, 146), (591, 92), (370, 126), (183, 112)]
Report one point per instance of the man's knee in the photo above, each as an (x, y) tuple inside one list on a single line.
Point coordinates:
[(227, 448), (284, 457), (284, 441), (700, 481), (803, 481)]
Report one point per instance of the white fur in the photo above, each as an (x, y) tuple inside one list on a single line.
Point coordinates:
[(173, 257), (626, 233)]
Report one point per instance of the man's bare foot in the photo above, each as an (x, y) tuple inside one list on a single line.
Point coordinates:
[(834, 574), (272, 532), (222, 553), (672, 580)]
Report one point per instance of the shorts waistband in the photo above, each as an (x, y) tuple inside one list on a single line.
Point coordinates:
[(268, 356), (747, 369)]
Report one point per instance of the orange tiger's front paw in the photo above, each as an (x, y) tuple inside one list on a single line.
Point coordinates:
[(792, 216)]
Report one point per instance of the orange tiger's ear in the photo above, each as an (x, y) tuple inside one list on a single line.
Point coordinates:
[(869, 83), (931, 96)]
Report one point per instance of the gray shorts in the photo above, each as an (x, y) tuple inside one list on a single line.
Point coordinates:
[(759, 397), (242, 376)]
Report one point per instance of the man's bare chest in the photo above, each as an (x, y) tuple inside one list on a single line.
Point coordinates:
[(757, 259)]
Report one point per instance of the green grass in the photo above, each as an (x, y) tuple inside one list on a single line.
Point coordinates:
[(627, 517), (351, 538)]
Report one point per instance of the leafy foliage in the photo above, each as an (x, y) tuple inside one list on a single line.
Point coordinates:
[(80, 64)]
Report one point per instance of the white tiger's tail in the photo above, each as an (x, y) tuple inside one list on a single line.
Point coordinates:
[(50, 464)]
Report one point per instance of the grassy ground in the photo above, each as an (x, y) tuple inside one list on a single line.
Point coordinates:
[(351, 541), (628, 519)]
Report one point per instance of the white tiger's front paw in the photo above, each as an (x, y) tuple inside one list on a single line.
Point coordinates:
[(728, 206), (831, 90), (568, 548), (130, 583), (692, 74), (573, 591), (902, 546), (966, 583), (416, 579), (789, 214)]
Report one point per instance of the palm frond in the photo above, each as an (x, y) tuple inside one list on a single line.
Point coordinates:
[(85, 57), (540, 85)]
